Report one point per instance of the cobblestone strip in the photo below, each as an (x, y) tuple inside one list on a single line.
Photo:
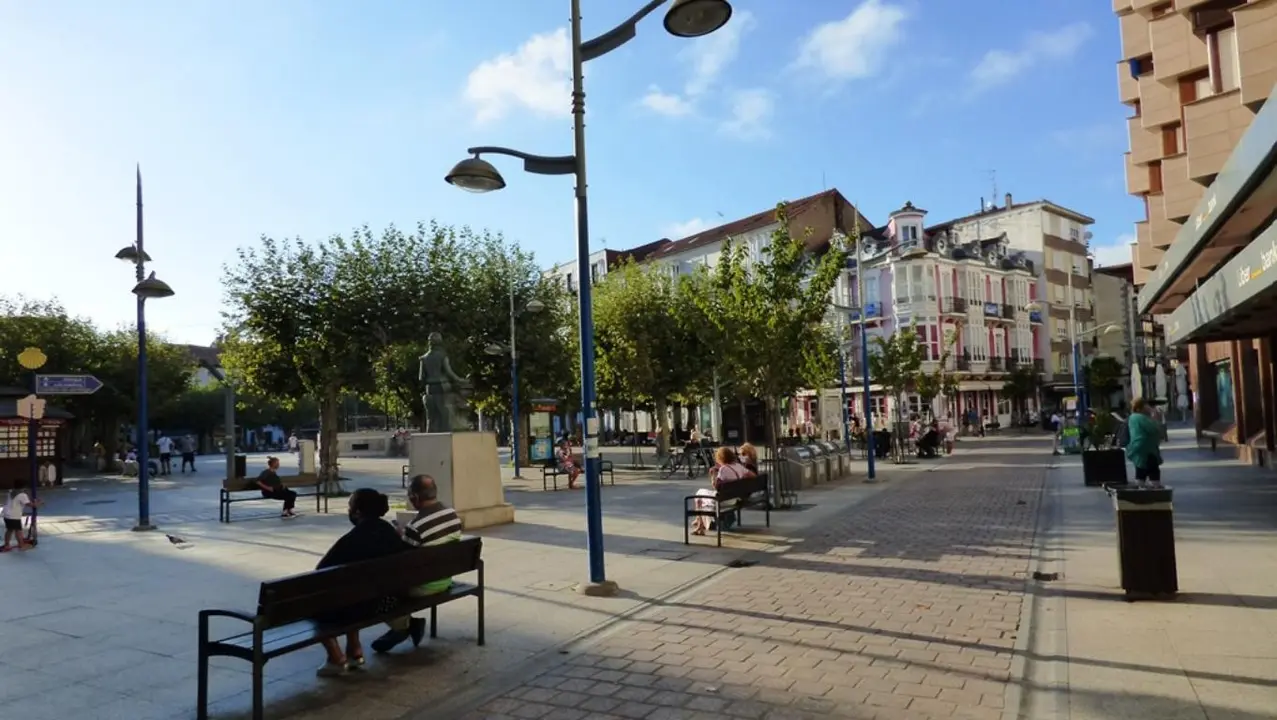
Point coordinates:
[(906, 606)]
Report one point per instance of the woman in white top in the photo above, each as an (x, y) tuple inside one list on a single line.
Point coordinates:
[(14, 507), (727, 469)]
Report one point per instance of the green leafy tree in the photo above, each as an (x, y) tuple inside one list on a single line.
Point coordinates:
[(770, 312), (1021, 386), (1104, 376), (647, 343), (895, 362), (938, 380)]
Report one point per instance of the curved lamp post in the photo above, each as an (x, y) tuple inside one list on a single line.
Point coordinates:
[(147, 288), (531, 306), (685, 18)]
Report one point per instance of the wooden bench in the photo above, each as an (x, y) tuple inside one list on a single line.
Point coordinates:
[(740, 490), (284, 620), (247, 490), (550, 472)]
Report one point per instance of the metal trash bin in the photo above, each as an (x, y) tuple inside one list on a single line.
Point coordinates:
[(1145, 542), (820, 464), (837, 459), (798, 470), (241, 466)]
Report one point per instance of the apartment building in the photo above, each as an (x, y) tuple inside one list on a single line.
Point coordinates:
[(976, 292), (1197, 76), (1142, 340)]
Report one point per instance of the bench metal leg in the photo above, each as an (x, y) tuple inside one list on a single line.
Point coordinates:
[(201, 680), (259, 708), (434, 622), (482, 640)]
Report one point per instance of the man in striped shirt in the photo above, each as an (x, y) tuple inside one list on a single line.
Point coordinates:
[(435, 524)]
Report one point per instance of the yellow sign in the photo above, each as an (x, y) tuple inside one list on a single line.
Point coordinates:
[(32, 358)]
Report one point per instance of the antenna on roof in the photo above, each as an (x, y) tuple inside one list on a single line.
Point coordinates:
[(993, 180), (823, 185)]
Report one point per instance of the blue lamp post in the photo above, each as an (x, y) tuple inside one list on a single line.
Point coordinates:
[(860, 316), (147, 287), (685, 18), (532, 306)]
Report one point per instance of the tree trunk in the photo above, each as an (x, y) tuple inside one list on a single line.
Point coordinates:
[(328, 449), (744, 421), (663, 428)]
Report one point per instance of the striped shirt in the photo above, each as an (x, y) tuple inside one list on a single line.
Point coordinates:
[(435, 524)]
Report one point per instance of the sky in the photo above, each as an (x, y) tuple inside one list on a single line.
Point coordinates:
[(307, 118)]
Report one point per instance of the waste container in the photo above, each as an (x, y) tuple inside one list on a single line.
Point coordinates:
[(797, 470), (1145, 542), (820, 464), (837, 459), (241, 466)]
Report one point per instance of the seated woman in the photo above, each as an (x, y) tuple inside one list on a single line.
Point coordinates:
[(749, 457), (727, 469), (370, 538), (567, 463)]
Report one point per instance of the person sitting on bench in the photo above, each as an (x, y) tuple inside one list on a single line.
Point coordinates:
[(273, 488), (567, 463), (369, 539), (435, 524), (727, 469)]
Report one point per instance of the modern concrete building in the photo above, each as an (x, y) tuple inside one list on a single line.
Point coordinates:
[(1142, 341), (1197, 76)]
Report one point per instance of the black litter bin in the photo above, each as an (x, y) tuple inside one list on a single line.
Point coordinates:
[(1104, 467), (241, 466), (1145, 542)]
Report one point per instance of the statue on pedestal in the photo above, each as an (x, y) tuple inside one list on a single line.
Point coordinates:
[(444, 390)]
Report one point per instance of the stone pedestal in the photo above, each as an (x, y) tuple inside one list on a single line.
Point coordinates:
[(468, 473)]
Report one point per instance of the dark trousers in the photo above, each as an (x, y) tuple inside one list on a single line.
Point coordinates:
[(166, 463), (188, 458), (288, 496)]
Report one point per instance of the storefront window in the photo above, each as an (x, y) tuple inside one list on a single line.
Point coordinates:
[(1224, 391)]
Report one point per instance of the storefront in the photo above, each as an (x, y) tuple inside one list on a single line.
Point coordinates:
[(51, 437)]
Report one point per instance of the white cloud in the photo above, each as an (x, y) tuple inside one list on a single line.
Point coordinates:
[(536, 77), (668, 104), (1118, 253), (708, 57), (751, 110), (856, 46), (999, 67), (678, 231)]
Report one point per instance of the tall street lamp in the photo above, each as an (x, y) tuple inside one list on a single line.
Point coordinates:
[(532, 306), (147, 287), (685, 18)]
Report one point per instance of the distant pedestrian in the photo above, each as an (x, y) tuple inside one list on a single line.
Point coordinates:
[(292, 443), (15, 507), (165, 446), (1057, 424), (1144, 446), (273, 488), (188, 452)]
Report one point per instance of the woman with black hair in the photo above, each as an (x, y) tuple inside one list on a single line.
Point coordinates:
[(370, 538)]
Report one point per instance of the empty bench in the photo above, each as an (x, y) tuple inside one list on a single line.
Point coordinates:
[(284, 620), (742, 490), (247, 490)]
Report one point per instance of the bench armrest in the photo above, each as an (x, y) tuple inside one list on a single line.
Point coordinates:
[(206, 614)]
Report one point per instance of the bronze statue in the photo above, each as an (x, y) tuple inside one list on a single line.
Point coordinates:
[(444, 389)]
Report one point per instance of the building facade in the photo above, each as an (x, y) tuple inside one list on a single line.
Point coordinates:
[(1197, 76)]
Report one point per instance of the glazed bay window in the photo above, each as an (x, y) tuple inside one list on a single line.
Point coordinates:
[(975, 286), (1221, 49), (929, 337)]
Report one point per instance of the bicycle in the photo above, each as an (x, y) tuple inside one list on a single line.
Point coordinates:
[(671, 463)]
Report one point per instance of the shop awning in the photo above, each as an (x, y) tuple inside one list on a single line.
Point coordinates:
[(1234, 207), (1238, 301)]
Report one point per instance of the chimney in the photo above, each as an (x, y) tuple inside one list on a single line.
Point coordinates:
[(1008, 201)]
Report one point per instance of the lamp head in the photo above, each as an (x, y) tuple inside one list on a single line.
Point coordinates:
[(129, 254), (694, 18), (494, 349), (475, 175), (152, 288), (534, 306)]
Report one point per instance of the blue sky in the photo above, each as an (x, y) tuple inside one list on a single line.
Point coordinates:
[(310, 117)]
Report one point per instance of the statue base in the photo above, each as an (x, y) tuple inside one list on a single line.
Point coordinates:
[(466, 469)]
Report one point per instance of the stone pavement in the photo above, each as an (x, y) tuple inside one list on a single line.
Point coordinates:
[(1209, 655), (100, 622), (906, 605)]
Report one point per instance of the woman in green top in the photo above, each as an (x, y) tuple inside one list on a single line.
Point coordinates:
[(1143, 448)]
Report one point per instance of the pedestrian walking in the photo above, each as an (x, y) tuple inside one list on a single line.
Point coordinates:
[(188, 452), (1144, 447), (15, 507), (165, 445)]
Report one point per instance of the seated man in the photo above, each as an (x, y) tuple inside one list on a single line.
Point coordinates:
[(435, 524)]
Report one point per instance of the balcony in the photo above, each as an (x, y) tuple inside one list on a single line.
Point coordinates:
[(1179, 51), (1256, 41), (1146, 145), (964, 362), (1008, 312), (1159, 103), (1128, 88), (997, 364), (1137, 178), (1135, 38), (953, 306), (1212, 128), (1179, 194)]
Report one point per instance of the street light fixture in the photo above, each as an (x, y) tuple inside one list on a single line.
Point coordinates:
[(685, 18), (147, 287)]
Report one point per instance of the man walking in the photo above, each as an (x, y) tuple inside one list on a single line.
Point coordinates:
[(188, 452), (435, 524), (165, 446)]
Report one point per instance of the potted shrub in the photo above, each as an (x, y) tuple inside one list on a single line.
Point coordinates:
[(1103, 461)]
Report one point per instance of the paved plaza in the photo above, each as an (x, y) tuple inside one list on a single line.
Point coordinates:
[(913, 597)]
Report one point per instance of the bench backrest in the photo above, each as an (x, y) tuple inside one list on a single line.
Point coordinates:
[(303, 480), (315, 593), (743, 488)]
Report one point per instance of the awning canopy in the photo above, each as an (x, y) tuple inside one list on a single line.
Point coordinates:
[(1238, 301), (1237, 204)]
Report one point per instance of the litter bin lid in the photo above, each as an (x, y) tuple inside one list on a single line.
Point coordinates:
[(1137, 496), (801, 453), (816, 450)]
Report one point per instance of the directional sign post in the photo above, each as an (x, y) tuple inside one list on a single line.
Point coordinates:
[(66, 384)]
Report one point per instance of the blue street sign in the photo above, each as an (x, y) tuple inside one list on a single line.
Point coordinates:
[(66, 384)]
